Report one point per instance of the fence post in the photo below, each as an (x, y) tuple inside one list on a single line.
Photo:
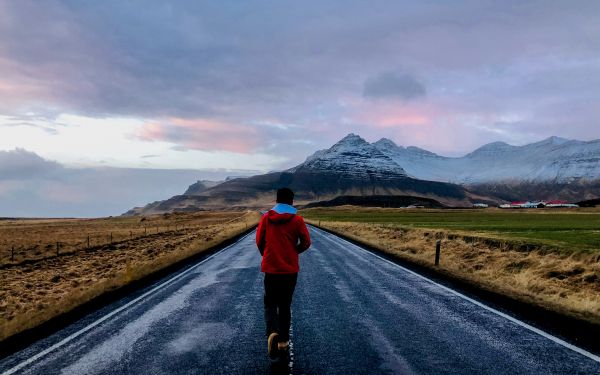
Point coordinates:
[(12, 253), (144, 231), (156, 229), (57, 248), (130, 234), (88, 241), (438, 244), (319, 223), (111, 237)]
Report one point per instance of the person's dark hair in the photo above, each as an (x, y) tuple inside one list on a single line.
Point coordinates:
[(285, 195)]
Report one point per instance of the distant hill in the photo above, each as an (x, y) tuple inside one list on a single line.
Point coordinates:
[(589, 203), (555, 168), (553, 160), (573, 192), (200, 186), (389, 201), (352, 166)]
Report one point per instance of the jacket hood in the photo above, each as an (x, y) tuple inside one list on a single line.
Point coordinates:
[(283, 208), (276, 217)]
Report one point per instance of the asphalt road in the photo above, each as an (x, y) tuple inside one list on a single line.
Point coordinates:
[(353, 312)]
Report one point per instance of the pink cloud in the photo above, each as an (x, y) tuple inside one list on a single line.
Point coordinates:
[(436, 126), (202, 134), (404, 122), (15, 93), (445, 127), (392, 114)]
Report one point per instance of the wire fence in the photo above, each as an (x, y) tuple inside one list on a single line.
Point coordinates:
[(27, 250)]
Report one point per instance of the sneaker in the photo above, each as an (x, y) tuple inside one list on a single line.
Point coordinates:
[(272, 345), (283, 345)]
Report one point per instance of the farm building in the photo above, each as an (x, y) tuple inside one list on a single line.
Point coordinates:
[(560, 204), (539, 204)]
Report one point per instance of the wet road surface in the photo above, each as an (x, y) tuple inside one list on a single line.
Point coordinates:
[(353, 312)]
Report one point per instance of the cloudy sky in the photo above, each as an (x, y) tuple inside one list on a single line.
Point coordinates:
[(109, 104)]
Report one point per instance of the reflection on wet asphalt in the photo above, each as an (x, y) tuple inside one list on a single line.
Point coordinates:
[(352, 313)]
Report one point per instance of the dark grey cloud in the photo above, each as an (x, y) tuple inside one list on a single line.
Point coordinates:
[(392, 85), (21, 164), (299, 62), (31, 186), (189, 58)]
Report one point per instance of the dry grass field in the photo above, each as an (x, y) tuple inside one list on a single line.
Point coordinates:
[(560, 280), (38, 285), (33, 239)]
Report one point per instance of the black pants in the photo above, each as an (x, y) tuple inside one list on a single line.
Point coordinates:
[(279, 289)]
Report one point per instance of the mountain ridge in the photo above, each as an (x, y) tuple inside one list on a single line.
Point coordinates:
[(549, 169), (350, 167), (552, 159)]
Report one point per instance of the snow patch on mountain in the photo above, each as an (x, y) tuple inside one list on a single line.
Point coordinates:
[(355, 157), (553, 159)]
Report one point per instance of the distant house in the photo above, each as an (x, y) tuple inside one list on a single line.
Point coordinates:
[(560, 204), (556, 202), (480, 205), (527, 204), (517, 204), (539, 204), (533, 205)]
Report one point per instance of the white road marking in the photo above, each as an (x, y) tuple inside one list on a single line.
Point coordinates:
[(514, 320), (114, 312)]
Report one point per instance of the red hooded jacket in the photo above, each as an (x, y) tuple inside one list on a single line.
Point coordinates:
[(280, 238)]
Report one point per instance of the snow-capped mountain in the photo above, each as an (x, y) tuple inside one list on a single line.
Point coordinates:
[(351, 167), (554, 168), (551, 160), (353, 156)]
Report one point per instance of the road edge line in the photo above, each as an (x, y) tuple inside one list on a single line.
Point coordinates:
[(482, 305), (115, 312)]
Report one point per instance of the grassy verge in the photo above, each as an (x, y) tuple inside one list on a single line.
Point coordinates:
[(561, 230), (35, 291), (561, 279)]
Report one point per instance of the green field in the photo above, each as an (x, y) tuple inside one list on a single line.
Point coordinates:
[(566, 230)]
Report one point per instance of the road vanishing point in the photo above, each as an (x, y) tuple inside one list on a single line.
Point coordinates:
[(353, 313)]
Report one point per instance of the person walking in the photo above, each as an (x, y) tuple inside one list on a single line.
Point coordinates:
[(280, 237)]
